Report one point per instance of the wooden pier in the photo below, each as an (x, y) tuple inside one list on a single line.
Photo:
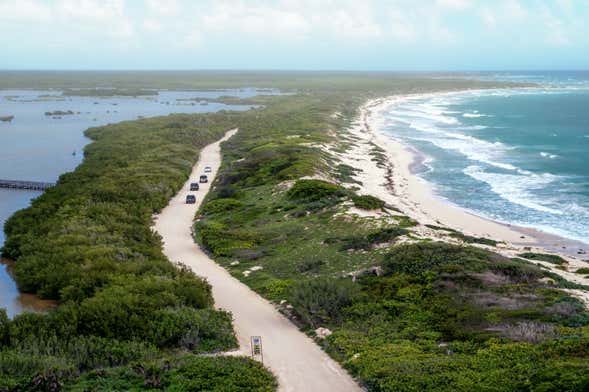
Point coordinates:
[(26, 185)]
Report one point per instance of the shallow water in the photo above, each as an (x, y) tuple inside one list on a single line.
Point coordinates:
[(14, 301), (37, 147), (516, 156)]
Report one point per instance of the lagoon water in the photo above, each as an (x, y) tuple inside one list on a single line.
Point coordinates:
[(37, 147), (518, 156)]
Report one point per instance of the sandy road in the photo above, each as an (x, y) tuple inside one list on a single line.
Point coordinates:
[(294, 358)]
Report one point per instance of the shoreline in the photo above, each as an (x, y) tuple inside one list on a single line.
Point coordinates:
[(500, 230), (416, 197)]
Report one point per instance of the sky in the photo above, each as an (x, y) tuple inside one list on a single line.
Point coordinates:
[(398, 35)]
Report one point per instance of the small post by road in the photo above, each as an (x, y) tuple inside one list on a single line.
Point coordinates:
[(257, 354)]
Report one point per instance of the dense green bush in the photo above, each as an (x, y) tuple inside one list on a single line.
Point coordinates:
[(319, 301), (222, 241), (368, 202), (314, 190), (367, 241), (221, 205), (473, 240), (186, 374), (554, 259), (415, 259)]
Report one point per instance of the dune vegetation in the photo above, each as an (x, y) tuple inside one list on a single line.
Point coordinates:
[(402, 313)]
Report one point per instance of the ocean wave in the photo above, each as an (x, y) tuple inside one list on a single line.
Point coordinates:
[(431, 110), (516, 188), (443, 131), (473, 128), (516, 195), (473, 148), (474, 115), (548, 155)]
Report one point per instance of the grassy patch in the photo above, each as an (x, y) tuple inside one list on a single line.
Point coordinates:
[(553, 259), (368, 202), (473, 240), (314, 190)]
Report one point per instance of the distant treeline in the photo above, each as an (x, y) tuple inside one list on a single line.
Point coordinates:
[(109, 92), (354, 82)]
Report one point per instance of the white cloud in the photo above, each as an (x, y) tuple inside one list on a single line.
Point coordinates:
[(402, 29), (195, 24), (152, 25), (489, 18), (24, 11), (555, 29), (513, 10), (191, 41), (354, 24), (458, 5), (230, 16), (163, 8)]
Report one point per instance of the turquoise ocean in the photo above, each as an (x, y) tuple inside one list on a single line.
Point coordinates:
[(518, 156)]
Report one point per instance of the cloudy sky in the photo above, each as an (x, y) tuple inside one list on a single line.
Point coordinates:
[(294, 34)]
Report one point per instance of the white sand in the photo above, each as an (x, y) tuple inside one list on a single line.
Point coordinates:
[(298, 363), (397, 185)]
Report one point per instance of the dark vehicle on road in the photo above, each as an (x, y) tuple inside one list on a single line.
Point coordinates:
[(194, 186), (203, 179), (208, 169), (190, 199)]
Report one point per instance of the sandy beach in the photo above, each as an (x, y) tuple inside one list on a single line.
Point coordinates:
[(394, 182)]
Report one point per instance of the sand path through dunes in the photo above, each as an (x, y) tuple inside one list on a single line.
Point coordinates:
[(294, 358)]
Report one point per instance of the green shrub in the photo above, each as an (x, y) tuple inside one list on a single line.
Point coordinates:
[(554, 259), (196, 330), (415, 259), (517, 271), (321, 301), (474, 240), (222, 374), (222, 241), (366, 242), (188, 373), (385, 234), (313, 190), (221, 205), (368, 202)]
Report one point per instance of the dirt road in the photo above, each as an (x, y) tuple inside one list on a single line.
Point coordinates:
[(294, 358)]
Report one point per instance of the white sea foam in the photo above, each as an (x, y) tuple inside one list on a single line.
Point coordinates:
[(548, 155), (422, 111), (546, 197), (473, 128), (469, 146), (516, 188), (435, 126)]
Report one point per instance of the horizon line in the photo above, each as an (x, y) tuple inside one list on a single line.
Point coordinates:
[(451, 71)]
